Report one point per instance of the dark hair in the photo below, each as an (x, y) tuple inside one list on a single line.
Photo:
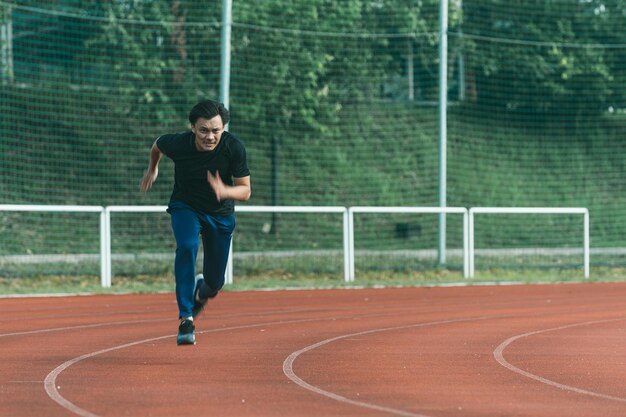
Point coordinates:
[(208, 109)]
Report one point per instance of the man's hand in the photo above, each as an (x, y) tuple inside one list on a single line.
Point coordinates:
[(148, 178), (151, 174), (240, 191), (217, 184)]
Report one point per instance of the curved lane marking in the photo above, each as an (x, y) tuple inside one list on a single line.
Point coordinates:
[(289, 372), (498, 354), (53, 390)]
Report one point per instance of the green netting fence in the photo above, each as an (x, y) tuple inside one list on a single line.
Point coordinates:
[(337, 103)]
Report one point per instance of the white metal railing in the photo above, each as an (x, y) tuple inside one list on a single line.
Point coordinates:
[(104, 247), (242, 209), (107, 274), (530, 210), (300, 209), (406, 210), (348, 227)]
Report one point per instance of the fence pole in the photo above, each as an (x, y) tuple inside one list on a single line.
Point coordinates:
[(443, 105), (227, 23)]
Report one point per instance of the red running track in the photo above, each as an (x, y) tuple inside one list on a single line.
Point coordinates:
[(493, 351)]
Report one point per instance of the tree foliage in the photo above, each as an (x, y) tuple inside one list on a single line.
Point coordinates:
[(569, 53), (548, 56)]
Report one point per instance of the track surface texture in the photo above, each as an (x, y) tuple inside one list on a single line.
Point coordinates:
[(493, 351)]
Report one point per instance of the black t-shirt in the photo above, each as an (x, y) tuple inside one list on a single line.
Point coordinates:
[(191, 166)]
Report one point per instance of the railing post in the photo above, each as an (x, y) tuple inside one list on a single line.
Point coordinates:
[(586, 243), (351, 253), (466, 273), (229, 265), (470, 228), (347, 239), (105, 248)]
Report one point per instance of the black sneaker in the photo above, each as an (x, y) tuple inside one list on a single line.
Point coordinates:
[(186, 335), (198, 302)]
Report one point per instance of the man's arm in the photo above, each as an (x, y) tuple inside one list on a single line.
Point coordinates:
[(240, 191), (151, 174)]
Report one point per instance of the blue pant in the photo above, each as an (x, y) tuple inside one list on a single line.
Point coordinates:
[(187, 225)]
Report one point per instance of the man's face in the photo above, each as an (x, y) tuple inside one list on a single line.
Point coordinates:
[(208, 133)]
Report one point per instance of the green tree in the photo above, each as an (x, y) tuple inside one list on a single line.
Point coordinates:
[(155, 55), (546, 56), (298, 63)]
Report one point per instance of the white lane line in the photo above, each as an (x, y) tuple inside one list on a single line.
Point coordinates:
[(115, 323), (53, 390), (81, 326), (498, 354), (289, 372)]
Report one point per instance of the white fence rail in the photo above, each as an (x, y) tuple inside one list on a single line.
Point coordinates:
[(347, 213), (78, 209), (530, 210), (405, 210), (301, 209), (107, 260)]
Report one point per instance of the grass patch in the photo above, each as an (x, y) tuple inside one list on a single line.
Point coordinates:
[(90, 284)]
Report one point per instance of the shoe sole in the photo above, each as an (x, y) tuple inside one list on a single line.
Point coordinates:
[(186, 339)]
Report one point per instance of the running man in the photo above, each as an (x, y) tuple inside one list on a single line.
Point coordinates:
[(211, 173)]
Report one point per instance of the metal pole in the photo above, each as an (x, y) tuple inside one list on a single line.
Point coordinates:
[(274, 175), (7, 73), (410, 72), (227, 23), (459, 6), (443, 105)]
